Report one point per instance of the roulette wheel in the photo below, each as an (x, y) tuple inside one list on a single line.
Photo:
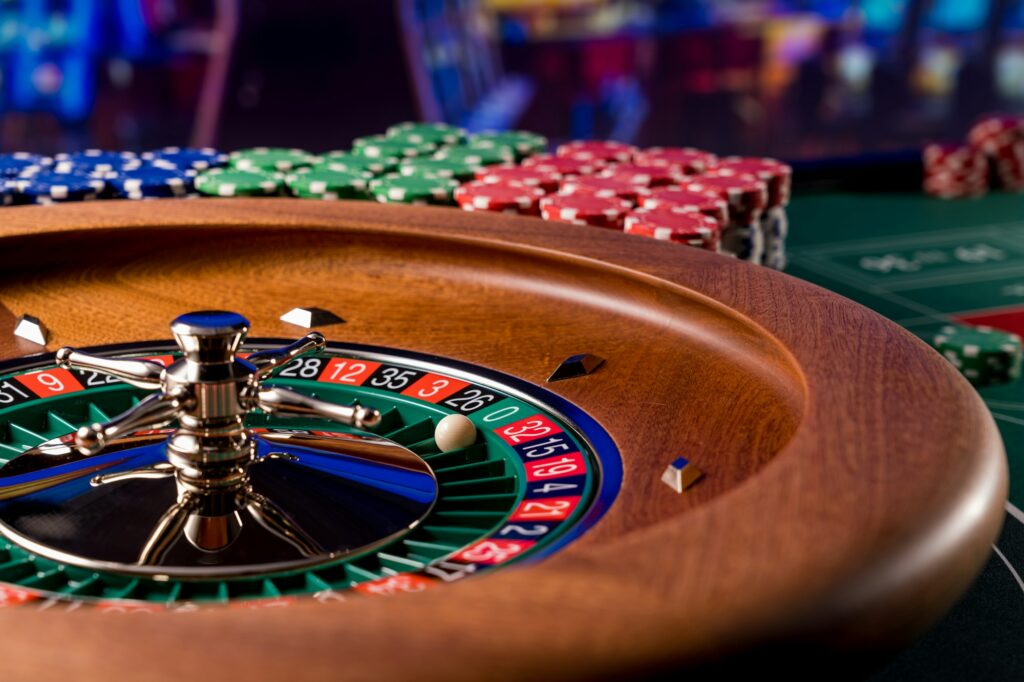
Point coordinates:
[(517, 449)]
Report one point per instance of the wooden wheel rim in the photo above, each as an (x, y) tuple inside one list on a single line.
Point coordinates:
[(868, 523)]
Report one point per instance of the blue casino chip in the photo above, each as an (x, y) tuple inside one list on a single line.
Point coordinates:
[(148, 181), (47, 187), (95, 161), (186, 158), (17, 163)]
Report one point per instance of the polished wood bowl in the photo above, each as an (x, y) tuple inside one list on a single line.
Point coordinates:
[(854, 481)]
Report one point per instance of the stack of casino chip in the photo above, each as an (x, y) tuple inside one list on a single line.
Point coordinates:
[(994, 154), (602, 186), (477, 156), (747, 197), (49, 187), (588, 182), (707, 202), (185, 158), (271, 159), (585, 209), (149, 182), (675, 225), (982, 354), (386, 146), (597, 150), (642, 175), (457, 169), (522, 144), (395, 188), (778, 177), (1001, 139), (95, 161), (235, 182), (545, 180), (350, 161), (437, 134), (499, 197), (564, 166), (319, 182), (17, 163), (953, 171), (686, 160)]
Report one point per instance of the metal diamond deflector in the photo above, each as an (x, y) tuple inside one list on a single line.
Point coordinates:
[(681, 474), (576, 366), (31, 329), (307, 318)]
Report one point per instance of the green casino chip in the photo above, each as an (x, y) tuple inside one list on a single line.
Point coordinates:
[(440, 134), (382, 146), (323, 183), (270, 159), (521, 142), (408, 189), (477, 156), (982, 354), (440, 168), (349, 161), (233, 182)]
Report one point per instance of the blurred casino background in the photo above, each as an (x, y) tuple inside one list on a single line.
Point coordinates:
[(796, 79)]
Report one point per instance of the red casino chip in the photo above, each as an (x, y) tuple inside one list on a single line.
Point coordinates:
[(952, 187), (585, 209), (597, 150), (565, 166), (708, 202), (686, 159), (954, 170), (643, 175), (952, 157), (952, 184), (545, 180), (502, 198), (1009, 166), (691, 228), (1010, 172), (745, 193), (602, 187), (996, 133), (777, 175)]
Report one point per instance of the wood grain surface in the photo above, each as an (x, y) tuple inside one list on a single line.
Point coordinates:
[(855, 480)]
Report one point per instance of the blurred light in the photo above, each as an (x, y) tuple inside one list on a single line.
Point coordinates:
[(958, 15), (1009, 72), (121, 72), (47, 78), (856, 64), (884, 15), (937, 69)]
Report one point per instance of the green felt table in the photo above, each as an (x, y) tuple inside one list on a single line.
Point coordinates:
[(925, 262)]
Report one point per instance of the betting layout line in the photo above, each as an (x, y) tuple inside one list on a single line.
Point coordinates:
[(979, 274), (854, 245), (1009, 567), (1005, 405), (924, 240), (1008, 418), (1015, 511), (929, 319), (825, 269)]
